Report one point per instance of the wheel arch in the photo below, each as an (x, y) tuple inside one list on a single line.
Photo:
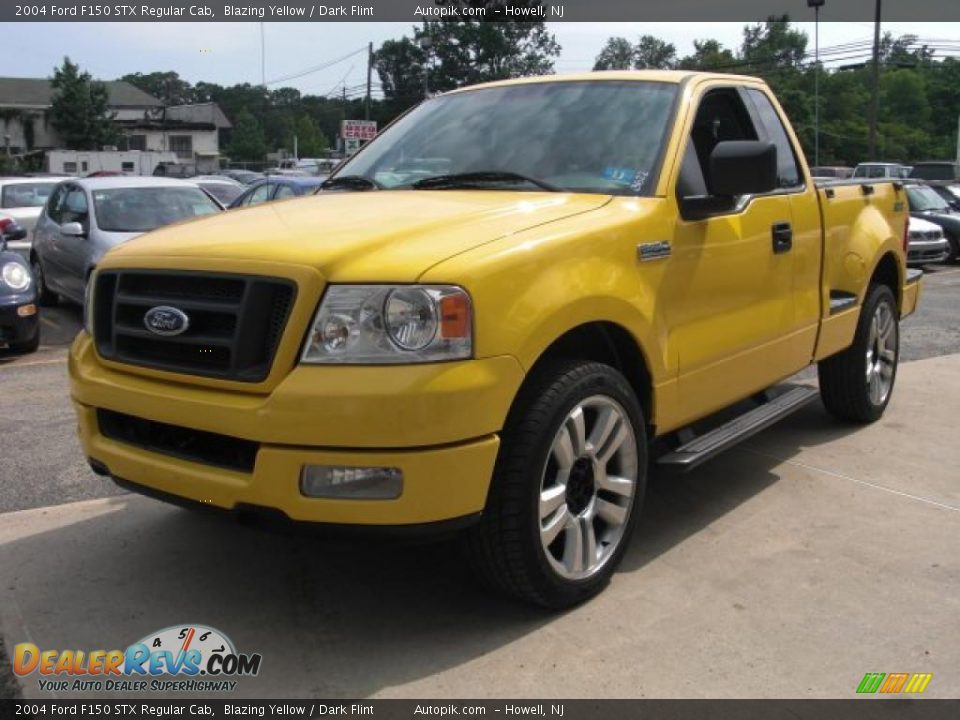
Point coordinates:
[(887, 272), (612, 344)]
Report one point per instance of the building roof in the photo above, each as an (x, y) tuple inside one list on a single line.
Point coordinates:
[(38, 93), (200, 113)]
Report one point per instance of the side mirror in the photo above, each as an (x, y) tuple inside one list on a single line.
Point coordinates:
[(72, 229), (737, 167), (13, 232), (743, 167)]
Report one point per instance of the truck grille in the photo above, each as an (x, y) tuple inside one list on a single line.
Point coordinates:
[(180, 442), (235, 321)]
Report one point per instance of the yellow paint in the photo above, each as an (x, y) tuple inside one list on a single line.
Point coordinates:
[(719, 319)]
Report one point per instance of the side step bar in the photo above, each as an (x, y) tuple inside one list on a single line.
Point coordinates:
[(704, 447)]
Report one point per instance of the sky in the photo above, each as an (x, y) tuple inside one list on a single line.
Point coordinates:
[(229, 53)]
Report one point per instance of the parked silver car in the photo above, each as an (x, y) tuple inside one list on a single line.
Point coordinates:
[(86, 217), (22, 198)]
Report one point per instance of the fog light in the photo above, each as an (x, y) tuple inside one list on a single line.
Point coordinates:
[(27, 310), (351, 483)]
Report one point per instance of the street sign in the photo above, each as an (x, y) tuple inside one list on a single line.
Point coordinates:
[(351, 145), (358, 129)]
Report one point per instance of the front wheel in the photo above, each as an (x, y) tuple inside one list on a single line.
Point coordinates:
[(567, 486), (857, 383)]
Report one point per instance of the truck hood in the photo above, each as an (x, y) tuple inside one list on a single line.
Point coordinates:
[(361, 236)]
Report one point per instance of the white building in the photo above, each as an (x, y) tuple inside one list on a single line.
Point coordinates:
[(192, 132)]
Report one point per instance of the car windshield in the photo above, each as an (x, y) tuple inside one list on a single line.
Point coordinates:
[(141, 209), (597, 136), (21, 195), (925, 199)]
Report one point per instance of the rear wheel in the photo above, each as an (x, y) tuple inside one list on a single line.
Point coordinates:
[(45, 296), (856, 384), (567, 487)]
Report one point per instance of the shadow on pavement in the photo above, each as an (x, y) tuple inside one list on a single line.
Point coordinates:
[(335, 618)]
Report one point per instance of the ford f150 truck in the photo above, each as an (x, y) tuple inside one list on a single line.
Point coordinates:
[(489, 318)]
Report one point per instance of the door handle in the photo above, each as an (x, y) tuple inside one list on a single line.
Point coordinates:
[(782, 235)]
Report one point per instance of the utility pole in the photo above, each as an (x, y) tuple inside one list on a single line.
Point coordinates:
[(816, 5), (875, 100), (263, 59), (366, 108), (958, 138)]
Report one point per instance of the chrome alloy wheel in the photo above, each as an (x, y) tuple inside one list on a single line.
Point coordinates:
[(882, 345), (587, 487)]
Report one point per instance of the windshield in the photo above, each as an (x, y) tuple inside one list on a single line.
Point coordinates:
[(145, 208), (925, 199), (596, 136), (22, 195)]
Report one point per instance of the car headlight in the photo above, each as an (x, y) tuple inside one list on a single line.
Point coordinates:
[(88, 303), (390, 324), (16, 276)]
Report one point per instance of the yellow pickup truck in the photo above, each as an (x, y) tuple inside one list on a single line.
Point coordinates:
[(485, 318)]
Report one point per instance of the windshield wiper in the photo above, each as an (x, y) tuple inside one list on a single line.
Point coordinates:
[(356, 182), (472, 179)]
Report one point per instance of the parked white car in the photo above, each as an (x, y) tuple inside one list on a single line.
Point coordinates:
[(22, 198), (926, 243)]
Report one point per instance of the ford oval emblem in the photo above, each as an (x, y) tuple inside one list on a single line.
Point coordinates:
[(166, 320)]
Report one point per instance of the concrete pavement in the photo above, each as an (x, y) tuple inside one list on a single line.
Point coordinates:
[(789, 567)]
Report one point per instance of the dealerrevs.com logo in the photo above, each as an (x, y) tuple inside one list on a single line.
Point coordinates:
[(181, 658)]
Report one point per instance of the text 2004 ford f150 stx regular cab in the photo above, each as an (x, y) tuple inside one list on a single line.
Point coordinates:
[(491, 312)]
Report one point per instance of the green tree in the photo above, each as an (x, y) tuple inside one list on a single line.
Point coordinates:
[(464, 52), (654, 54), (708, 55), (311, 141), (399, 65), (247, 142), (80, 110), (773, 45), (167, 86), (617, 54)]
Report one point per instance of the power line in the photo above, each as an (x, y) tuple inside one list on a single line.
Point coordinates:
[(315, 68)]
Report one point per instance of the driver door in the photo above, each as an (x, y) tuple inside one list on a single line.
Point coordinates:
[(728, 295)]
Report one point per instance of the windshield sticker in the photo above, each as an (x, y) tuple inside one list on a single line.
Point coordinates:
[(621, 176), (628, 177)]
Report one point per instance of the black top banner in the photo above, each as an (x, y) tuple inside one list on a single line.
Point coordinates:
[(497, 709), (474, 10)]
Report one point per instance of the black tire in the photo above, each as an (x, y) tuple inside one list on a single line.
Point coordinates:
[(843, 377), (954, 251), (27, 346), (45, 296), (505, 547)]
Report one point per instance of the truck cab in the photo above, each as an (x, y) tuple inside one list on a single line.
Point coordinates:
[(495, 317)]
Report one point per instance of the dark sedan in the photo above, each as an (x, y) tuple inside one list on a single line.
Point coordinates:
[(19, 329), (926, 203), (277, 187)]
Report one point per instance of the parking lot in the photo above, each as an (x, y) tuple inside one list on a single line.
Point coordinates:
[(789, 567)]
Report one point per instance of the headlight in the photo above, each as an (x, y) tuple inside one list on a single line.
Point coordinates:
[(390, 324), (88, 303), (16, 276)]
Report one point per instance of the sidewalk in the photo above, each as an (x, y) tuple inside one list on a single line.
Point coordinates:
[(789, 567)]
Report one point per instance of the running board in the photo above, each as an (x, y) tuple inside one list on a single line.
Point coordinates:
[(704, 447)]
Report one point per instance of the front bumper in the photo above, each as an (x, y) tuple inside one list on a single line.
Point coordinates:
[(14, 327), (927, 251), (437, 423)]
